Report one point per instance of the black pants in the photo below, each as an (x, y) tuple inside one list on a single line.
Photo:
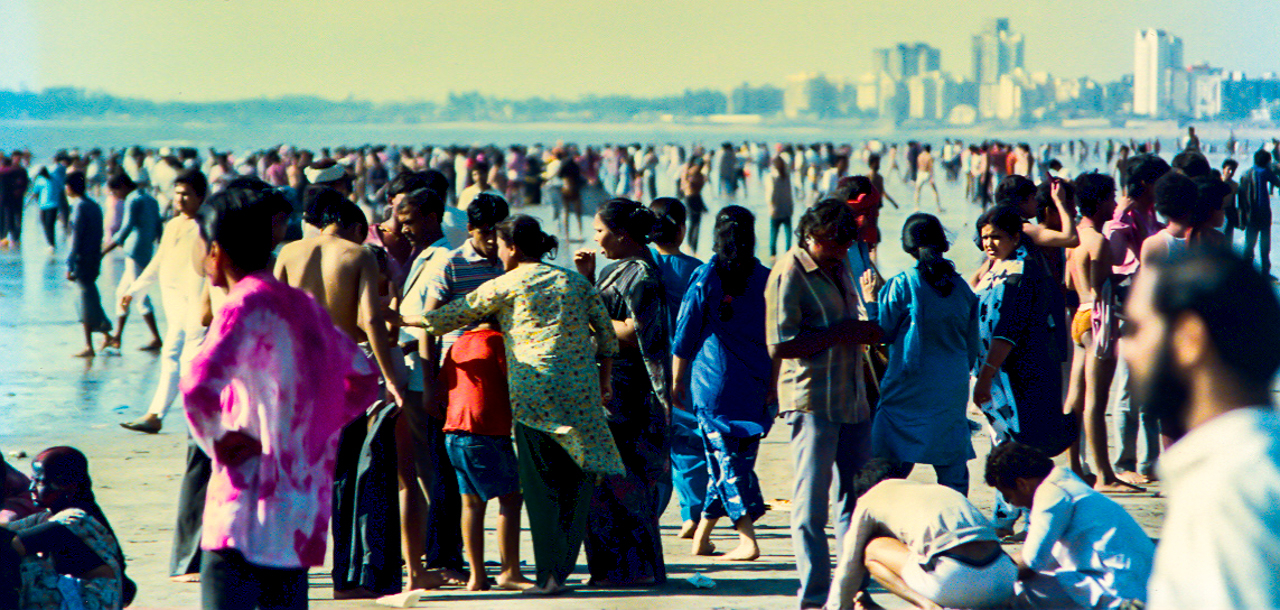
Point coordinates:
[(11, 221), (366, 513), (1258, 232), (49, 220), (186, 532), (228, 582)]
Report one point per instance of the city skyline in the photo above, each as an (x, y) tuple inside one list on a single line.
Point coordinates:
[(206, 50)]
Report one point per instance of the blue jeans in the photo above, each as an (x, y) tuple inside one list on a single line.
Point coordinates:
[(822, 450), (1129, 422)]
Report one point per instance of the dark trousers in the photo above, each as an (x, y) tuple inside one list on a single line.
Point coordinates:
[(774, 225), (366, 513), (185, 558), (228, 582), (90, 307), (49, 220), (444, 515), (557, 495), (11, 221), (1259, 232)]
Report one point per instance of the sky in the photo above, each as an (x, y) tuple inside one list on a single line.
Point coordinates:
[(401, 50)]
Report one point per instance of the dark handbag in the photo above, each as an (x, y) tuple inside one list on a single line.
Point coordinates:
[(875, 361)]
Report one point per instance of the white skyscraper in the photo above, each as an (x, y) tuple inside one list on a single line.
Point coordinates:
[(1156, 55)]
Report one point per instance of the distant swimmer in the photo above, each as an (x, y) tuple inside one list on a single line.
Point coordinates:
[(924, 176)]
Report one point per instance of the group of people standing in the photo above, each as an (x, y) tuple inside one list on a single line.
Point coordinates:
[(381, 379)]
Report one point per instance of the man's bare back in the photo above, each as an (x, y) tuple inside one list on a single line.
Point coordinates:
[(341, 275), (693, 182)]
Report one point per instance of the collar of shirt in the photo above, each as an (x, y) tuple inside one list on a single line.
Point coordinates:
[(1209, 439), (467, 251)]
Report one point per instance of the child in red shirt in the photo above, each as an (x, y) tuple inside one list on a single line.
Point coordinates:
[(478, 439)]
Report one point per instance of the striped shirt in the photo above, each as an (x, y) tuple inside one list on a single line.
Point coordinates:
[(456, 276), (802, 297)]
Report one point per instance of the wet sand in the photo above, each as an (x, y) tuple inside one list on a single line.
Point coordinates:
[(49, 398)]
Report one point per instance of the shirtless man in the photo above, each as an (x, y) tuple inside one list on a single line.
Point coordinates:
[(1088, 267), (924, 176), (691, 184), (343, 276)]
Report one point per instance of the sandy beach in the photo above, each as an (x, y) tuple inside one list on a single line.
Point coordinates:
[(48, 398)]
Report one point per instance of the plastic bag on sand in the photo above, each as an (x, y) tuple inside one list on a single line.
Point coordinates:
[(702, 582), (408, 599)]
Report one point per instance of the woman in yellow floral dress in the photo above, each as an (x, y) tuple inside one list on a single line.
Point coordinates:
[(560, 344)]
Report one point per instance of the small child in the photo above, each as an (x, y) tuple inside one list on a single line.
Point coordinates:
[(478, 440)]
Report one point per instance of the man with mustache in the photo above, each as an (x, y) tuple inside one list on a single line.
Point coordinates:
[(1202, 341)]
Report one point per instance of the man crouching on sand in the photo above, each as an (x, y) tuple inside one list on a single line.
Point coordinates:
[(924, 543)]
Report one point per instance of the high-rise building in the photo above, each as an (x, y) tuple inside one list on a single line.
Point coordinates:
[(904, 61), (809, 95), (996, 52), (1156, 56)]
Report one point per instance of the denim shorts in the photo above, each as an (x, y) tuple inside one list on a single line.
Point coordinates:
[(486, 465)]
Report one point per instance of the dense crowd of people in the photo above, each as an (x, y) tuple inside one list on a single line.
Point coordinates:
[(370, 344)]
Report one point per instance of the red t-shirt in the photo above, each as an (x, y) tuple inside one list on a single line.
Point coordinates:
[(475, 373)]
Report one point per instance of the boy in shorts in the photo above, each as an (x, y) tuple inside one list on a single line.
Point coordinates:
[(478, 439)]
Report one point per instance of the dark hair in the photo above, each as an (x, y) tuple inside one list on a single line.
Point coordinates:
[(671, 216), (1191, 163), (849, 187), (250, 183), (1211, 195), (830, 219), (75, 183), (437, 182), (734, 243), (195, 179), (1011, 461), (1014, 190), (1262, 158), (630, 218), (873, 160), (875, 471), (924, 239), (1003, 217), (1092, 189), (486, 210), (524, 232), (121, 181), (1044, 199), (320, 205), (1232, 163), (426, 200), (1143, 169), (67, 466), (405, 182), (1176, 197), (1236, 302), (239, 221)]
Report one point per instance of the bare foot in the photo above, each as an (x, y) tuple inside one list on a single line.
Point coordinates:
[(154, 346), (1117, 486), (87, 353), (478, 584), (434, 579), (356, 593), (706, 548), (747, 551), (863, 601), (111, 342), (552, 588), (1133, 478), (185, 578), (515, 583), (686, 530)]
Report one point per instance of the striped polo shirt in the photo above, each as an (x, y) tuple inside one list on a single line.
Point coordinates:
[(455, 277)]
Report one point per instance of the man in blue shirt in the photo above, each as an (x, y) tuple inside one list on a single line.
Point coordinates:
[(85, 261), (139, 231)]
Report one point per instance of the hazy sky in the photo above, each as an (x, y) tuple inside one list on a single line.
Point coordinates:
[(401, 49)]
